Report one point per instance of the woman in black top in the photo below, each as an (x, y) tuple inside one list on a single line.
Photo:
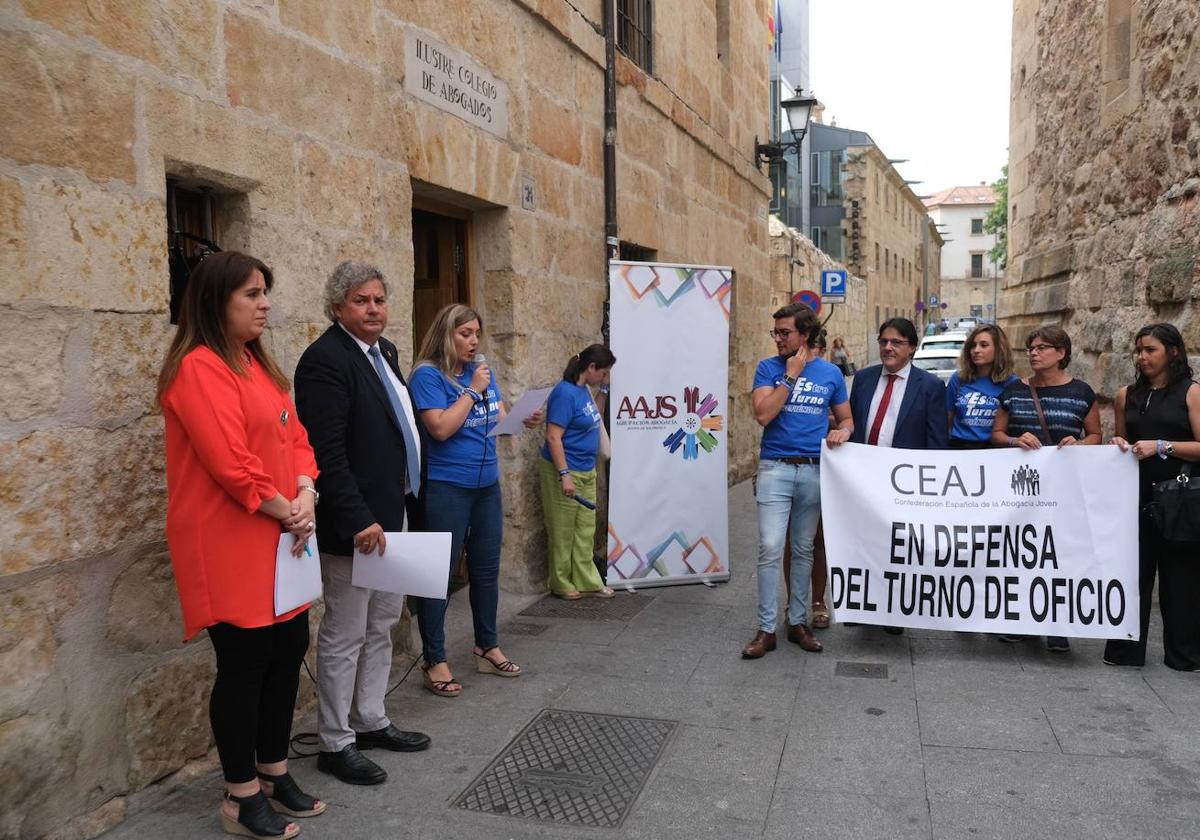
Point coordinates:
[(1068, 414), (1160, 414)]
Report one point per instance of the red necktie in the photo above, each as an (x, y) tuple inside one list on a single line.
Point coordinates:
[(873, 438)]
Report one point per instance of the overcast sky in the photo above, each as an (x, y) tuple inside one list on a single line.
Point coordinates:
[(927, 79)]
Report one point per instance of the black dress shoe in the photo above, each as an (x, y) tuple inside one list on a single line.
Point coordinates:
[(391, 738), (351, 767)]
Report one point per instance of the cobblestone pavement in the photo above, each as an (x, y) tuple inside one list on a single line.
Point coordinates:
[(966, 736)]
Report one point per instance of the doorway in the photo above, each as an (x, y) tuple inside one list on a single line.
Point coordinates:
[(441, 270)]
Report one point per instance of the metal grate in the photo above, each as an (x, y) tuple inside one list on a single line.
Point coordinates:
[(620, 608), (526, 629), (635, 32), (870, 670), (572, 768)]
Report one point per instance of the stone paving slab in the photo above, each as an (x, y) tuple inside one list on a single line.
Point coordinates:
[(967, 737)]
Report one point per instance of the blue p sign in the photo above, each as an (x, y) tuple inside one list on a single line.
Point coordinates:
[(833, 282)]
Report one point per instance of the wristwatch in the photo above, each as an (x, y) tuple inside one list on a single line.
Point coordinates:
[(790, 381), (313, 490), (1169, 448)]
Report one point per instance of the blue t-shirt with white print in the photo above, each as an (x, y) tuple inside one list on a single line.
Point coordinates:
[(468, 457), (571, 408), (974, 405), (803, 422)]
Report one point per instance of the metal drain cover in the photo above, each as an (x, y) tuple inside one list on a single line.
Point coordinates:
[(870, 670), (573, 768), (623, 606)]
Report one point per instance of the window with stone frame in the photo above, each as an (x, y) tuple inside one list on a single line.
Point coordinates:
[(977, 265), (976, 227), (635, 32), (629, 252), (192, 219)]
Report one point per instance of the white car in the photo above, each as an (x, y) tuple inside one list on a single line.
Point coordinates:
[(953, 340), (939, 361), (966, 324)]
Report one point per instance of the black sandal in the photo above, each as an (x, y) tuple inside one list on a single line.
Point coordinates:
[(504, 668), (256, 819), (287, 798)]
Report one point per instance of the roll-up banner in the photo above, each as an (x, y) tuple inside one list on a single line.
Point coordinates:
[(1008, 541), (668, 510)]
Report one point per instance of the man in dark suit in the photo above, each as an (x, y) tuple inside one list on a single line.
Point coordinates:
[(355, 405), (895, 403)]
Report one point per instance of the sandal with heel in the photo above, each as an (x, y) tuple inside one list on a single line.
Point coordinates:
[(256, 819), (440, 687), (287, 798), (500, 669)]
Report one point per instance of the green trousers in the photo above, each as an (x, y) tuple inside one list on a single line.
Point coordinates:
[(570, 528)]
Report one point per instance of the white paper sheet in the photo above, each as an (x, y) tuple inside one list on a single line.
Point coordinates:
[(414, 563), (513, 422), (297, 579)]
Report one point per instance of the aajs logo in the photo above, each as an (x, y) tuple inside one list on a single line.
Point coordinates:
[(693, 424), (696, 427)]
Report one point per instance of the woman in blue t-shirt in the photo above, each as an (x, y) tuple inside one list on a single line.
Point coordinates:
[(972, 395), (567, 470), (459, 403)]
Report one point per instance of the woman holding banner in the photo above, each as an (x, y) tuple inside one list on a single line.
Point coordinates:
[(568, 475), (458, 403), (1160, 414), (1050, 407), (973, 393)]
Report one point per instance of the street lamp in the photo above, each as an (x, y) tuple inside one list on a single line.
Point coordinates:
[(799, 111)]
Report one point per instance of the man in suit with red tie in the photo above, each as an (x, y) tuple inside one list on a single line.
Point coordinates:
[(895, 403)]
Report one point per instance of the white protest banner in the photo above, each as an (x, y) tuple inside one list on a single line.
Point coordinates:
[(668, 487), (1007, 541)]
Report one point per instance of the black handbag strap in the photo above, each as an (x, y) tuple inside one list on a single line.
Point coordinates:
[(1037, 404)]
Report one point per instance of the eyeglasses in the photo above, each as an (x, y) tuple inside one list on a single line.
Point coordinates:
[(893, 342), (781, 334), (1040, 348)]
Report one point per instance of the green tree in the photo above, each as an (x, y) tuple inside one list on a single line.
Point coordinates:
[(997, 221)]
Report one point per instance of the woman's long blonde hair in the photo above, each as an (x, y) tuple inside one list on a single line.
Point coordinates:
[(1002, 363), (437, 347), (202, 318)]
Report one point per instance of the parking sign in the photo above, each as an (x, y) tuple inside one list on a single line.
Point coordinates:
[(833, 283)]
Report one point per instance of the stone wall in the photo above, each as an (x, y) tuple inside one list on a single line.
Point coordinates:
[(891, 244), (1104, 176), (295, 114), (796, 264)]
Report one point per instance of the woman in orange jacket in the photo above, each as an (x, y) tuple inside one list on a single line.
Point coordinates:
[(240, 472)]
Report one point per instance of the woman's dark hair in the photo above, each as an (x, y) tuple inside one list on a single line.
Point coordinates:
[(1178, 368), (1057, 338), (593, 354), (202, 318), (804, 319), (903, 326)]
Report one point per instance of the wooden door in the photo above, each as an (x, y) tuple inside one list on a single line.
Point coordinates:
[(440, 268)]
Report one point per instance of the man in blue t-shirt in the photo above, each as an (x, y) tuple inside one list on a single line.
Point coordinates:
[(793, 394)]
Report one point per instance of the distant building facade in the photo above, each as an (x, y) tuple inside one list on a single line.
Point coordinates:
[(970, 278)]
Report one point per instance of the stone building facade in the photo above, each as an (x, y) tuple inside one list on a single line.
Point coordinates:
[(970, 278), (895, 238), (455, 143), (796, 265), (1104, 176)]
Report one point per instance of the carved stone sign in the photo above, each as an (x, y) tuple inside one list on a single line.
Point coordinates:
[(449, 79)]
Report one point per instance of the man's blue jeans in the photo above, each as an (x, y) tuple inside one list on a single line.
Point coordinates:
[(786, 491)]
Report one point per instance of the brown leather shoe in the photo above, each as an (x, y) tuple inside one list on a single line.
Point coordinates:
[(759, 645), (801, 635)]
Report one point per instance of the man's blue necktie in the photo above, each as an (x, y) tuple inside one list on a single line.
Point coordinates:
[(410, 440)]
